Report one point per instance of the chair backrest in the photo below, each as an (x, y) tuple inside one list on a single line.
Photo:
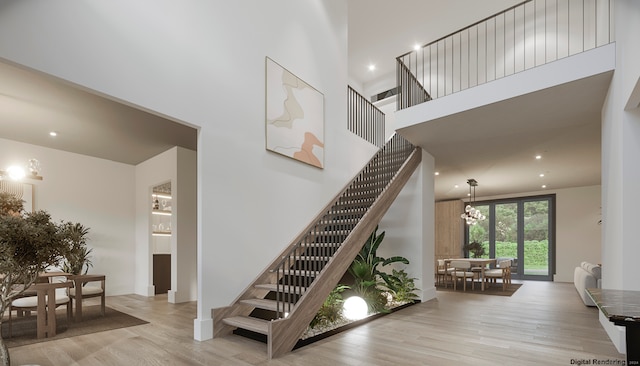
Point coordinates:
[(441, 263), (460, 264), (504, 264)]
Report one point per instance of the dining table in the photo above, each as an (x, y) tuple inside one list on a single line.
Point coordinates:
[(480, 263)]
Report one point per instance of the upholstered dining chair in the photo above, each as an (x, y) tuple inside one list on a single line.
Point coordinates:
[(87, 291), (27, 304), (442, 272), (461, 269), (503, 272)]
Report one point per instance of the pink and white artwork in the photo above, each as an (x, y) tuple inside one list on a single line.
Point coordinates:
[(294, 116)]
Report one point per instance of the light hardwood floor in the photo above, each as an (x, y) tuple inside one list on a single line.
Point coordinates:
[(543, 323)]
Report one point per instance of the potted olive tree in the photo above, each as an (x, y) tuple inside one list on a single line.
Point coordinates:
[(29, 243)]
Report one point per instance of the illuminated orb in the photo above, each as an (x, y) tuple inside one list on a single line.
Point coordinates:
[(355, 308)]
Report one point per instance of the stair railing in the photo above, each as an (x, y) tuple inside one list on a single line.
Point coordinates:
[(336, 223), (365, 119), (529, 34)]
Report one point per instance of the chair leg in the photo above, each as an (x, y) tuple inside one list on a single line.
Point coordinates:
[(10, 311)]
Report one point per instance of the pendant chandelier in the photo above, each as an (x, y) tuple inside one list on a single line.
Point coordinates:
[(472, 215)]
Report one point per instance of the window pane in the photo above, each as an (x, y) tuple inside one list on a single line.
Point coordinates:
[(536, 238), (507, 232)]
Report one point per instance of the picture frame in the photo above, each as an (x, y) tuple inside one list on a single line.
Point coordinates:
[(294, 119)]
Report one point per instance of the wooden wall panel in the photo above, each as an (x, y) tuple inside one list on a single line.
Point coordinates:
[(449, 229)]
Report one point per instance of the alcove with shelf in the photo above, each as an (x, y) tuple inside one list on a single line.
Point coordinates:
[(161, 233)]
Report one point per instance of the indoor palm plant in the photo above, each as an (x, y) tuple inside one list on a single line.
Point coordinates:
[(76, 258), (369, 281)]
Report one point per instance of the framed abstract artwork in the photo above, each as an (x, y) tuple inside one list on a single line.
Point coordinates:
[(294, 116)]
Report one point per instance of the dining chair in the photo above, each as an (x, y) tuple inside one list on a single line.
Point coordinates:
[(442, 272), (461, 269), (27, 304), (87, 292), (503, 272)]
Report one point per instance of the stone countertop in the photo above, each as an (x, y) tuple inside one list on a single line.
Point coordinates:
[(620, 306)]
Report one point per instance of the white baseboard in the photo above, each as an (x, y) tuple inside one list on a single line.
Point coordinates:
[(428, 294), (202, 329)]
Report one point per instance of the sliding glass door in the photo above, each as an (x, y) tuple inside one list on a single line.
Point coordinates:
[(520, 229)]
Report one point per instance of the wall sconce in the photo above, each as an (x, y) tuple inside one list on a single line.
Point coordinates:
[(15, 172)]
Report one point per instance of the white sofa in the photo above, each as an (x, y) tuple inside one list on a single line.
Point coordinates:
[(587, 275)]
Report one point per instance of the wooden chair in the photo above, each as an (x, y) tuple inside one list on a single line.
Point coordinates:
[(503, 272), (442, 272), (462, 269), (27, 304), (87, 292)]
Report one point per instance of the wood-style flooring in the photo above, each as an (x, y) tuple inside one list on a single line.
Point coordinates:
[(543, 323)]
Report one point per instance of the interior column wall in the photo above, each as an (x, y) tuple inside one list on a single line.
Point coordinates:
[(620, 171), (620, 149)]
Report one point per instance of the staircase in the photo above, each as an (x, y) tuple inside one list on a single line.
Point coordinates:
[(283, 300)]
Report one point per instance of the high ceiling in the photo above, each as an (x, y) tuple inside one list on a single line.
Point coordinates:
[(497, 152), (32, 104)]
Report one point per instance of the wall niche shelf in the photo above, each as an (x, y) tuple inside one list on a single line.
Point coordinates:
[(161, 212)]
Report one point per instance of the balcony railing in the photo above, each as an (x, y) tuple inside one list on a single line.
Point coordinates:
[(527, 35)]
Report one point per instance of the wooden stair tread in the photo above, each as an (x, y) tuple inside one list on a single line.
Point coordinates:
[(281, 288), (265, 304), (249, 323)]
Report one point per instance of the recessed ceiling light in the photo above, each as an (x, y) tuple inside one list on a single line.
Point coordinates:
[(541, 175), (53, 134), (437, 173), (538, 157), (456, 186), (544, 186), (416, 47), (372, 67)]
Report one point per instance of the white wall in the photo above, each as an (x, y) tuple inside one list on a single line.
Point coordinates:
[(204, 62), (620, 149), (404, 236), (620, 170), (578, 233), (184, 261), (95, 192)]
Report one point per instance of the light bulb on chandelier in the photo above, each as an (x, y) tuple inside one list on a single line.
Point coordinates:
[(472, 215)]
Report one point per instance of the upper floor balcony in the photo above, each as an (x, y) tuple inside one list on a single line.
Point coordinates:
[(529, 78)]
